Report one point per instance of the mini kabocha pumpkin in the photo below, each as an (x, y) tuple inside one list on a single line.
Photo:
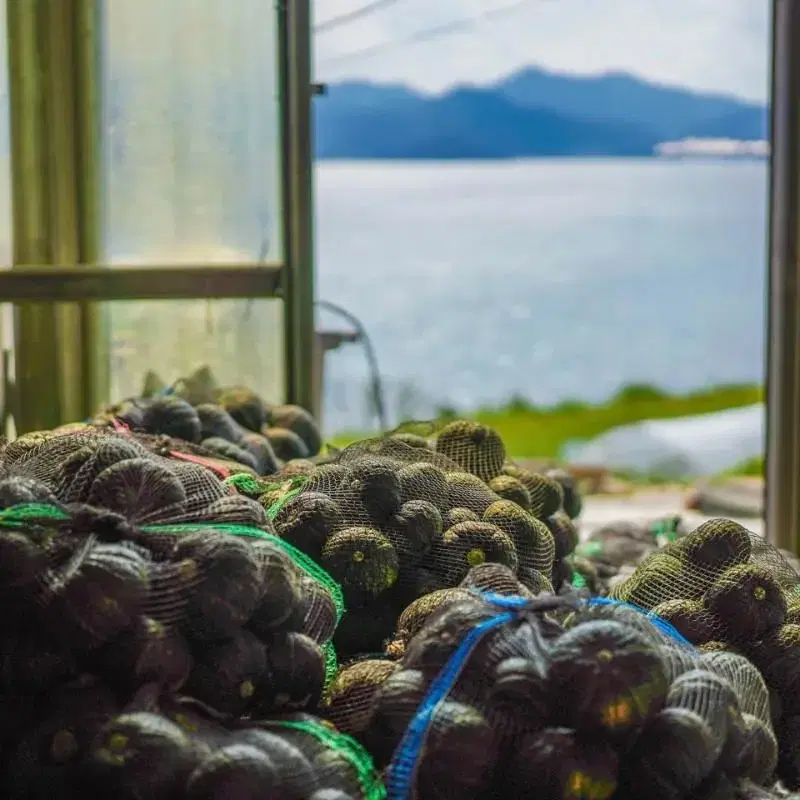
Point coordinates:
[(474, 447)]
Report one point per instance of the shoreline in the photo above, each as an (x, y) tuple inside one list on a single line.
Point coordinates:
[(536, 431)]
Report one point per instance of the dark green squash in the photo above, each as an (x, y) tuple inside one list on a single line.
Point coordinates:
[(229, 583), (468, 544), (460, 751), (294, 676), (217, 423), (414, 531), (749, 600), (102, 597), (227, 676), (170, 415), (611, 678), (299, 421), (142, 755), (559, 766), (547, 495), (362, 560), (137, 488), (244, 405), (238, 771), (349, 698), (47, 759), (510, 488), (286, 445), (422, 481), (476, 448), (308, 520)]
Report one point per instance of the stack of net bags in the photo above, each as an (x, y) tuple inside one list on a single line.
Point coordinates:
[(234, 425), (727, 590), (503, 696), (398, 517), (123, 568)]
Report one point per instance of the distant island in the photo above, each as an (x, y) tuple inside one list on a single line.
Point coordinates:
[(531, 113)]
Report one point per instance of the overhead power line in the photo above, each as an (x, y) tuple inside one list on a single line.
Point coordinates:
[(430, 34), (352, 16)]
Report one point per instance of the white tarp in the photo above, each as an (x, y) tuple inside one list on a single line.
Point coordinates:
[(686, 447)]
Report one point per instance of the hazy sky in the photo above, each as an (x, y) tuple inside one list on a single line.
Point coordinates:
[(710, 44)]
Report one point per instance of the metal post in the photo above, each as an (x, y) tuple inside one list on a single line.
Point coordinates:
[(95, 323), (47, 40), (783, 354), (294, 26)]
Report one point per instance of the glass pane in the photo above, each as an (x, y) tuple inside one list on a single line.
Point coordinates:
[(240, 341), (191, 131), (191, 176)]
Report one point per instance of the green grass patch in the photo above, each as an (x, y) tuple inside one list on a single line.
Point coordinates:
[(752, 468), (531, 431)]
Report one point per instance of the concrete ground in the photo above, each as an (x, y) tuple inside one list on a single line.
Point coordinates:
[(646, 505)]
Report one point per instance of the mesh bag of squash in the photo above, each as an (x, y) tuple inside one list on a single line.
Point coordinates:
[(497, 694), (726, 589), (399, 516), (232, 616), (232, 425), (117, 472), (85, 742)]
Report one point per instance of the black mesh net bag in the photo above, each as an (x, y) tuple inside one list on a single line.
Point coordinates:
[(233, 424), (230, 615), (396, 517), (173, 748), (115, 471), (728, 590), (495, 694)]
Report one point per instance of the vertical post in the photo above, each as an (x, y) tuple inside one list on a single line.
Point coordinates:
[(95, 325), (294, 26), (46, 40), (783, 353)]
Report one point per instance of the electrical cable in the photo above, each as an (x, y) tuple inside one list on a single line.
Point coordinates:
[(352, 16), (376, 382), (432, 33)]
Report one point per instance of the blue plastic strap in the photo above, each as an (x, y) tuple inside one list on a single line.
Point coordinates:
[(510, 601), (400, 775), (661, 624)]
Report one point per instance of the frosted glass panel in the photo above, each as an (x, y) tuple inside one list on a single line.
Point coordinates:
[(191, 176), (240, 341), (191, 131)]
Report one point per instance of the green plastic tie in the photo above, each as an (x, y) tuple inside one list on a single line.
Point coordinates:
[(578, 581), (248, 485), (349, 749), (666, 528), (296, 486), (589, 549), (26, 513), (331, 663)]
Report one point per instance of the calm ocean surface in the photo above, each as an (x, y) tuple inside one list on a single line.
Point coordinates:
[(547, 279)]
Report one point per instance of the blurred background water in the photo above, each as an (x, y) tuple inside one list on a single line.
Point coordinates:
[(546, 279)]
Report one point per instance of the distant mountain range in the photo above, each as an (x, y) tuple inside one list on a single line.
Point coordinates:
[(530, 113)]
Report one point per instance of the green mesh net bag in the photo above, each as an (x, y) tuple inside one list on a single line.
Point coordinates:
[(727, 589), (232, 616), (399, 516)]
